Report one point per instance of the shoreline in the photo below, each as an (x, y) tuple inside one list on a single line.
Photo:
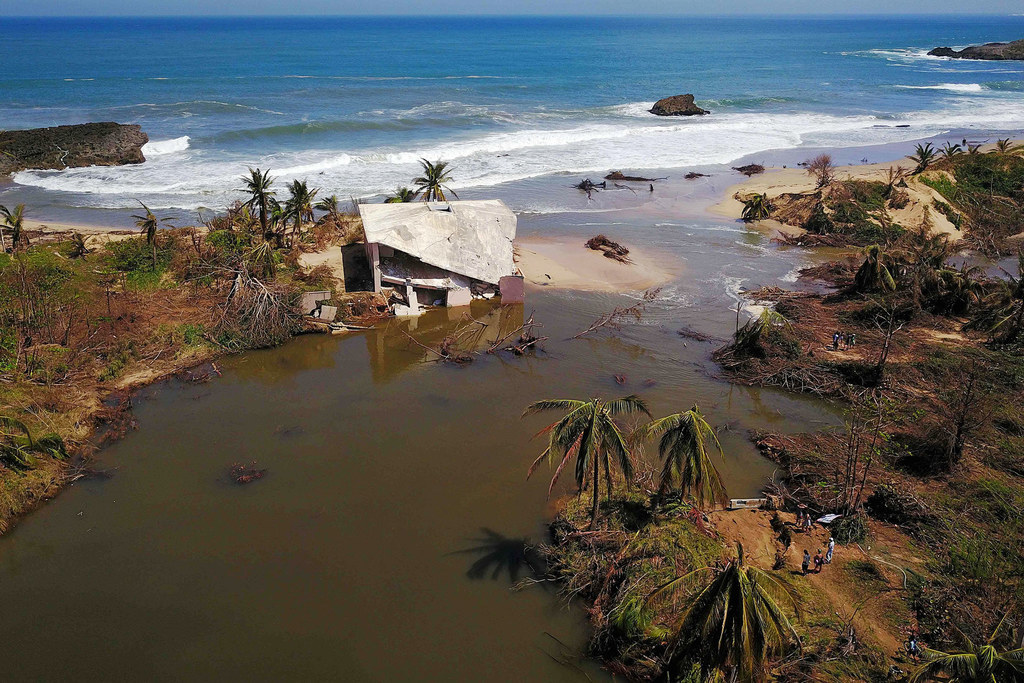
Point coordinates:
[(776, 181)]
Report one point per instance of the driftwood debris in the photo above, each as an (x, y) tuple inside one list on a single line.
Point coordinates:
[(618, 175), (526, 341), (622, 314), (749, 169), (693, 175), (612, 250), (245, 474), (690, 333), (589, 186)]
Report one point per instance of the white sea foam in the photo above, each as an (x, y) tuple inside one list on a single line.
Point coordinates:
[(590, 145), (954, 87), (155, 148)]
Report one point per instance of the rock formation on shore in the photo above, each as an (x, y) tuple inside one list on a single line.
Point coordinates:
[(84, 144), (996, 51), (677, 105)]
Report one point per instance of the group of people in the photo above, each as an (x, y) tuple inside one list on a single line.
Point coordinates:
[(804, 521), (819, 559), (847, 339)]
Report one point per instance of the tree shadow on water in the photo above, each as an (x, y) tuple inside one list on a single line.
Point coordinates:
[(499, 553)]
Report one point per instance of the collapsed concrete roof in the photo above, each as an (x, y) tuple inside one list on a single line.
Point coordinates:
[(471, 238)]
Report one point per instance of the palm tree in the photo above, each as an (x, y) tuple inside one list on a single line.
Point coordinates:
[(950, 150), (588, 433), (402, 195), (330, 206), (432, 183), (757, 208), (685, 440), (300, 205), (17, 445), (736, 623), (15, 221), (257, 185), (873, 275), (894, 175), (1004, 317), (982, 664), (756, 330), (1005, 146), (961, 288), (924, 155), (79, 249), (149, 224)]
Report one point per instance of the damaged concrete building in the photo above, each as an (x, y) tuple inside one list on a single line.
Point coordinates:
[(435, 253)]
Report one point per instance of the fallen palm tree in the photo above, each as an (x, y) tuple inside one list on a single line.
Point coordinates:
[(257, 314)]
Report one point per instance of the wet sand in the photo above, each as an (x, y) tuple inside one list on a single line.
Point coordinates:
[(567, 264)]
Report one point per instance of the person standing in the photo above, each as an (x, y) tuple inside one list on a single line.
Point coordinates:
[(819, 561), (806, 564), (831, 549)]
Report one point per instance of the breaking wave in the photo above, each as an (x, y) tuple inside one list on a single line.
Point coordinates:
[(953, 87), (622, 137), (155, 148)]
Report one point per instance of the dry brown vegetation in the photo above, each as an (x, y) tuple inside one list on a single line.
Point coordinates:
[(84, 321)]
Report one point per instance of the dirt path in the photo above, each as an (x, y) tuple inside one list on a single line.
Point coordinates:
[(854, 587)]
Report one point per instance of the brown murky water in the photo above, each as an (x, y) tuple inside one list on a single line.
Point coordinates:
[(351, 559)]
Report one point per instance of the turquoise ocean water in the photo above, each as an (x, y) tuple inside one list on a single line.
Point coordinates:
[(352, 103)]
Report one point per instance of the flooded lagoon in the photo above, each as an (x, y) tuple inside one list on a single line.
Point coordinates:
[(351, 558)]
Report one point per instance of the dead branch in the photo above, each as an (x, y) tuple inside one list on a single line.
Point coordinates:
[(622, 314)]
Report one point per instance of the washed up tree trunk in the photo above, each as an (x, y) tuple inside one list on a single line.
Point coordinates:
[(610, 249), (618, 175)]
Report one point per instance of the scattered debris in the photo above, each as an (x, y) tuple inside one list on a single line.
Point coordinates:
[(612, 250), (589, 186), (618, 175), (690, 333), (622, 314), (245, 474), (527, 339), (693, 175), (201, 377), (749, 169), (620, 379)]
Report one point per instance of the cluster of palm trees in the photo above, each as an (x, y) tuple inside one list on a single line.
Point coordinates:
[(925, 154), (920, 265), (276, 217), (589, 434), (738, 620)]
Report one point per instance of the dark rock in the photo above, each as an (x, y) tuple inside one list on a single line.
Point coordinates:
[(678, 105), (85, 144), (992, 51)]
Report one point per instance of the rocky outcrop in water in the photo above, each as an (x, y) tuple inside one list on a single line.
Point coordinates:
[(84, 144), (994, 51), (678, 105)]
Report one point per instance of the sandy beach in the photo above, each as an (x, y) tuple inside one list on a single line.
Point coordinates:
[(567, 264), (778, 181)]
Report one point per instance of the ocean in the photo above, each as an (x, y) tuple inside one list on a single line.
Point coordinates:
[(352, 104)]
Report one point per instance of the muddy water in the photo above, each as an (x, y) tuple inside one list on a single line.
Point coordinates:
[(378, 545)]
